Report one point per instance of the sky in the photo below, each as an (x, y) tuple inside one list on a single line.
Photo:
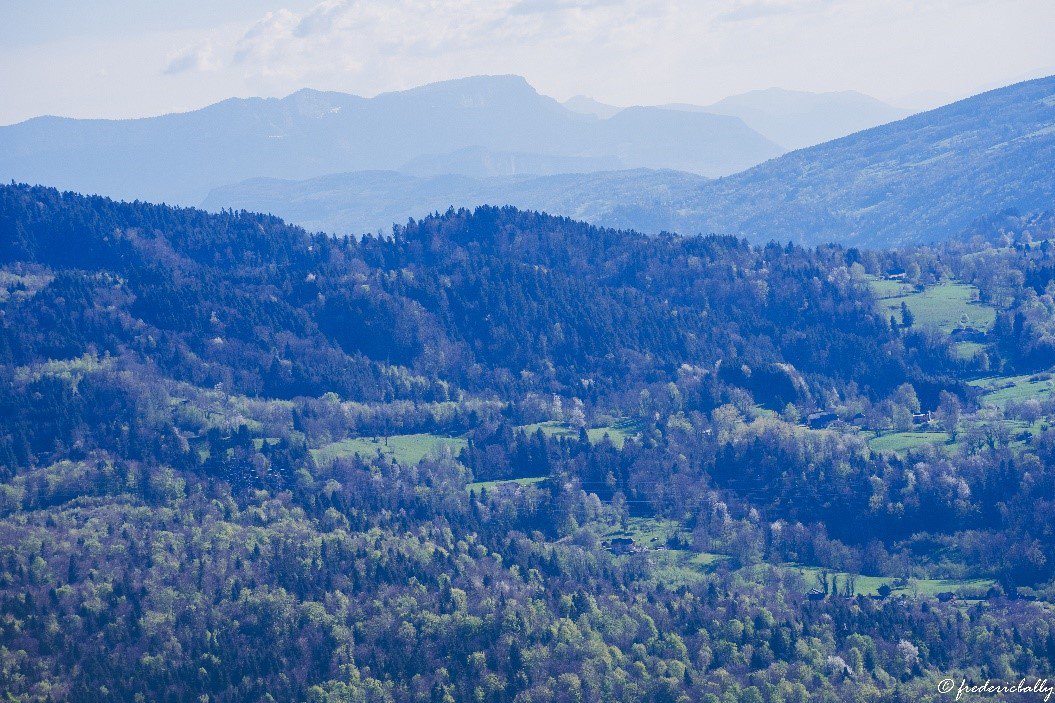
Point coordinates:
[(123, 58)]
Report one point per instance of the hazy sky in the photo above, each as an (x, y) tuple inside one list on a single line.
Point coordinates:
[(121, 58)]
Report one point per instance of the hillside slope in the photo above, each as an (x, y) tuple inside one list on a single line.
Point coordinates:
[(924, 178), (475, 293)]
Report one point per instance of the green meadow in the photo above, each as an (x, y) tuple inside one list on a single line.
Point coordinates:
[(405, 449), (947, 306), (491, 485), (1000, 390), (618, 432), (678, 567), (904, 441)]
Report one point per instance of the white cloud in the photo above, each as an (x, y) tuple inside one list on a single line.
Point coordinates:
[(621, 50), (374, 45), (527, 7), (618, 51), (760, 9), (191, 58)]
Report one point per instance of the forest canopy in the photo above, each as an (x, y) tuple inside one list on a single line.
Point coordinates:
[(503, 456)]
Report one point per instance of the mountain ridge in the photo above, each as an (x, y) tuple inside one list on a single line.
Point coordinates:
[(180, 157), (791, 118), (923, 178)]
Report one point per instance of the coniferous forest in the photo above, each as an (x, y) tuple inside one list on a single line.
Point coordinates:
[(504, 457)]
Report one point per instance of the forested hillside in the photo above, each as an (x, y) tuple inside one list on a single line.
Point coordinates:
[(502, 456), (496, 300)]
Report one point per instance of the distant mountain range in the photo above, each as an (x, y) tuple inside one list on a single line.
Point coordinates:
[(181, 157), (588, 106), (347, 164), (480, 162), (922, 178), (793, 119)]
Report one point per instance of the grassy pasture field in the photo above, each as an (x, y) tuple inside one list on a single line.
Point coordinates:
[(650, 532), (618, 432), (886, 288), (405, 449), (997, 392), (672, 566), (967, 350), (677, 567), (1000, 390), (682, 567), (869, 585), (491, 485), (946, 306), (903, 441)]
